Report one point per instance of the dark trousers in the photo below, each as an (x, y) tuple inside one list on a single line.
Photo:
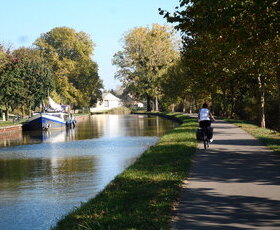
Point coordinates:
[(205, 123), (209, 131)]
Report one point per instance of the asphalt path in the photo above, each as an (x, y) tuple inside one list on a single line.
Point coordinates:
[(235, 184)]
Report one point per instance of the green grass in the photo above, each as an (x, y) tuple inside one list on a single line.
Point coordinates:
[(8, 123), (120, 110), (142, 196), (80, 114), (269, 137)]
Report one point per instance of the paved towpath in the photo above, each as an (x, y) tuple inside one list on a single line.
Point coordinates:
[(233, 185)]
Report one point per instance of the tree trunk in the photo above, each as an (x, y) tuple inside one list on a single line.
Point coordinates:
[(232, 99), (29, 111), (262, 102), (42, 105), (213, 103), (195, 105), (156, 104), (172, 108), (148, 103), (191, 105), (6, 115), (22, 111), (184, 105), (278, 88)]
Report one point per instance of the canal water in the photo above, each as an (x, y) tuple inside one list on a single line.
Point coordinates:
[(45, 175)]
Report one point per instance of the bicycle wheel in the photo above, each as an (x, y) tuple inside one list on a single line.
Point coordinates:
[(205, 144), (205, 141)]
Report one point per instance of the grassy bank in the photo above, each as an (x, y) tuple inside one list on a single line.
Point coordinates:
[(119, 110), (80, 114), (268, 137), (8, 123), (142, 196)]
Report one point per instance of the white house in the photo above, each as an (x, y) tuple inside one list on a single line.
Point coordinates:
[(138, 104), (109, 101)]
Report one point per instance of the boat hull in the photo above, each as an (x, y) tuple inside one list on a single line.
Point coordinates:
[(44, 122)]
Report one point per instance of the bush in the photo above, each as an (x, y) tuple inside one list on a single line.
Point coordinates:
[(120, 110)]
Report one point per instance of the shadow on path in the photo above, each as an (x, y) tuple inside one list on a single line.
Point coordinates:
[(209, 210), (237, 166), (233, 185)]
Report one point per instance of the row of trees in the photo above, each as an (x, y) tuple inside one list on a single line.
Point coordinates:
[(59, 64), (230, 56)]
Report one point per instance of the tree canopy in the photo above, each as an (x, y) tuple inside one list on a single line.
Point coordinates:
[(59, 65), (69, 53), (24, 80), (146, 55), (231, 49)]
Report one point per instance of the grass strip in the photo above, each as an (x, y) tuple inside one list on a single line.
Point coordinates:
[(269, 137), (143, 195), (8, 123)]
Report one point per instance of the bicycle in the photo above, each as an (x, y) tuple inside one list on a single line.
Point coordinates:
[(205, 134), (205, 139)]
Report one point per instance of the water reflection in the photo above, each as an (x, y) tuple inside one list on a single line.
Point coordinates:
[(41, 182), (92, 127)]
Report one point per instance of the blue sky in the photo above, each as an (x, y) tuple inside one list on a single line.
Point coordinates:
[(22, 21)]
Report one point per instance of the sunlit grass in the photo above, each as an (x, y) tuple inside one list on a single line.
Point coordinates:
[(120, 110), (143, 195), (269, 137), (8, 123)]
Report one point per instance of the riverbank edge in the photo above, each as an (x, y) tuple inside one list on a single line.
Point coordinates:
[(143, 196), (270, 138), (9, 128)]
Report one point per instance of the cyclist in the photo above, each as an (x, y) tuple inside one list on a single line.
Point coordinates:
[(205, 117)]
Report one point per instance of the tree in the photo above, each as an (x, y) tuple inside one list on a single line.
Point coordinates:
[(3, 56), (146, 55), (86, 80), (69, 52), (236, 40), (38, 76), (24, 80)]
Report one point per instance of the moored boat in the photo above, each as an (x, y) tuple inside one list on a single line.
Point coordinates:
[(51, 120)]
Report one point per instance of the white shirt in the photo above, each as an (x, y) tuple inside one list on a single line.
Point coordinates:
[(204, 114)]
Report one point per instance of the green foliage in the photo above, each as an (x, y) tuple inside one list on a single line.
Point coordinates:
[(86, 79), (75, 74), (24, 80), (3, 57), (36, 74), (65, 43), (120, 110), (11, 84), (231, 52), (61, 65), (147, 53), (6, 123)]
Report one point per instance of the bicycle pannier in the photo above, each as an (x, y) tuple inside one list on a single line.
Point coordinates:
[(209, 132), (199, 134)]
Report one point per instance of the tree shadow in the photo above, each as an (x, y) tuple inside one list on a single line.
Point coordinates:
[(205, 209), (241, 166), (237, 142), (217, 196)]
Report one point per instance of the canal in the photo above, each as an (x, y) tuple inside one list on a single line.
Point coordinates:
[(45, 175)]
